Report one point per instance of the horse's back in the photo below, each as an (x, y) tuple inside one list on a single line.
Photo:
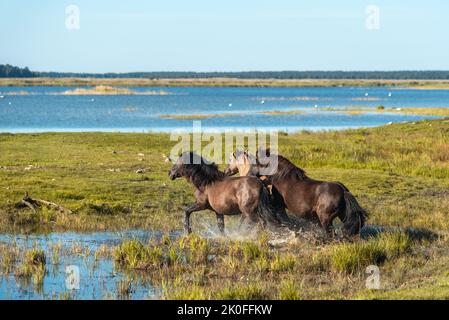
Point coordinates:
[(304, 197), (231, 194), (331, 187)]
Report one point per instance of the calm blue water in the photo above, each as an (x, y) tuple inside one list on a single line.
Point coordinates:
[(43, 110)]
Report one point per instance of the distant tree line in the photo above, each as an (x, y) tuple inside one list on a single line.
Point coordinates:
[(9, 71), (13, 72)]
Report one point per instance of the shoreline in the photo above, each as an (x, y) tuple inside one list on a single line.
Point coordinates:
[(292, 130), (223, 82)]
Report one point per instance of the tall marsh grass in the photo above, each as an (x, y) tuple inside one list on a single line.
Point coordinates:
[(355, 256)]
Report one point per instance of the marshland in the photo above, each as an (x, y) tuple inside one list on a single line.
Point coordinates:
[(101, 106), (124, 222)]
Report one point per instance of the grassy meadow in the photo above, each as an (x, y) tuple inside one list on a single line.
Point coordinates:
[(114, 181)]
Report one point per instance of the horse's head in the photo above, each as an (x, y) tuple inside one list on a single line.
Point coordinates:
[(232, 167), (177, 170), (267, 162), (188, 163), (241, 162), (263, 156)]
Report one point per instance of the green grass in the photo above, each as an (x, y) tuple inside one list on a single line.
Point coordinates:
[(9, 255), (352, 257), (283, 262), (435, 289), (191, 292), (234, 269), (399, 173), (289, 290), (35, 258), (134, 254), (33, 267), (250, 291)]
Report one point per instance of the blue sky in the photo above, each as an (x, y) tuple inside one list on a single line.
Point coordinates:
[(231, 35)]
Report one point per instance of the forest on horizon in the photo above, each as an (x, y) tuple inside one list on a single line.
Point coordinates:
[(9, 71)]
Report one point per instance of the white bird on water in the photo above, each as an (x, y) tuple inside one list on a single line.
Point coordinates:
[(366, 94), (262, 102), (1, 97), (230, 104), (389, 94)]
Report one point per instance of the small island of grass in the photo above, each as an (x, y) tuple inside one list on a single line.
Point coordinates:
[(108, 90)]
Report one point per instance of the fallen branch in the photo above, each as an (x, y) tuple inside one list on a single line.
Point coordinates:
[(143, 170), (34, 204)]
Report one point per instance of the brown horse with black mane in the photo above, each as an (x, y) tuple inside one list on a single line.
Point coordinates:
[(302, 196), (223, 195)]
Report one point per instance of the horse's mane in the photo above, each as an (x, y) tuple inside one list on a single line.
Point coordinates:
[(286, 169), (199, 171)]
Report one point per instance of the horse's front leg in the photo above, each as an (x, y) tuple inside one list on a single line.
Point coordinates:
[(188, 211), (220, 223), (242, 220)]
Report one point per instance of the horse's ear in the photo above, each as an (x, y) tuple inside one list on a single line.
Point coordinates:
[(268, 152), (262, 152)]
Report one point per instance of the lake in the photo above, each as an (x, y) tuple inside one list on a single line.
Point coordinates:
[(42, 109)]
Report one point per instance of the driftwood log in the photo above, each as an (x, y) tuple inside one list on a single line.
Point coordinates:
[(34, 204)]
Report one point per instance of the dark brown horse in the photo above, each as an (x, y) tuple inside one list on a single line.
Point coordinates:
[(302, 196), (223, 195)]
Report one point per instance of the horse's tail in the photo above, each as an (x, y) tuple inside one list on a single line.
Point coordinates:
[(265, 209), (269, 214), (355, 215)]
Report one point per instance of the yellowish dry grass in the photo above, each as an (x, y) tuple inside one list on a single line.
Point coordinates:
[(282, 113), (443, 112), (108, 90), (222, 82), (199, 116)]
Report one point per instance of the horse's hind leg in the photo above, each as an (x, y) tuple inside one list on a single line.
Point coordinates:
[(326, 220), (326, 224), (252, 220), (220, 223)]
